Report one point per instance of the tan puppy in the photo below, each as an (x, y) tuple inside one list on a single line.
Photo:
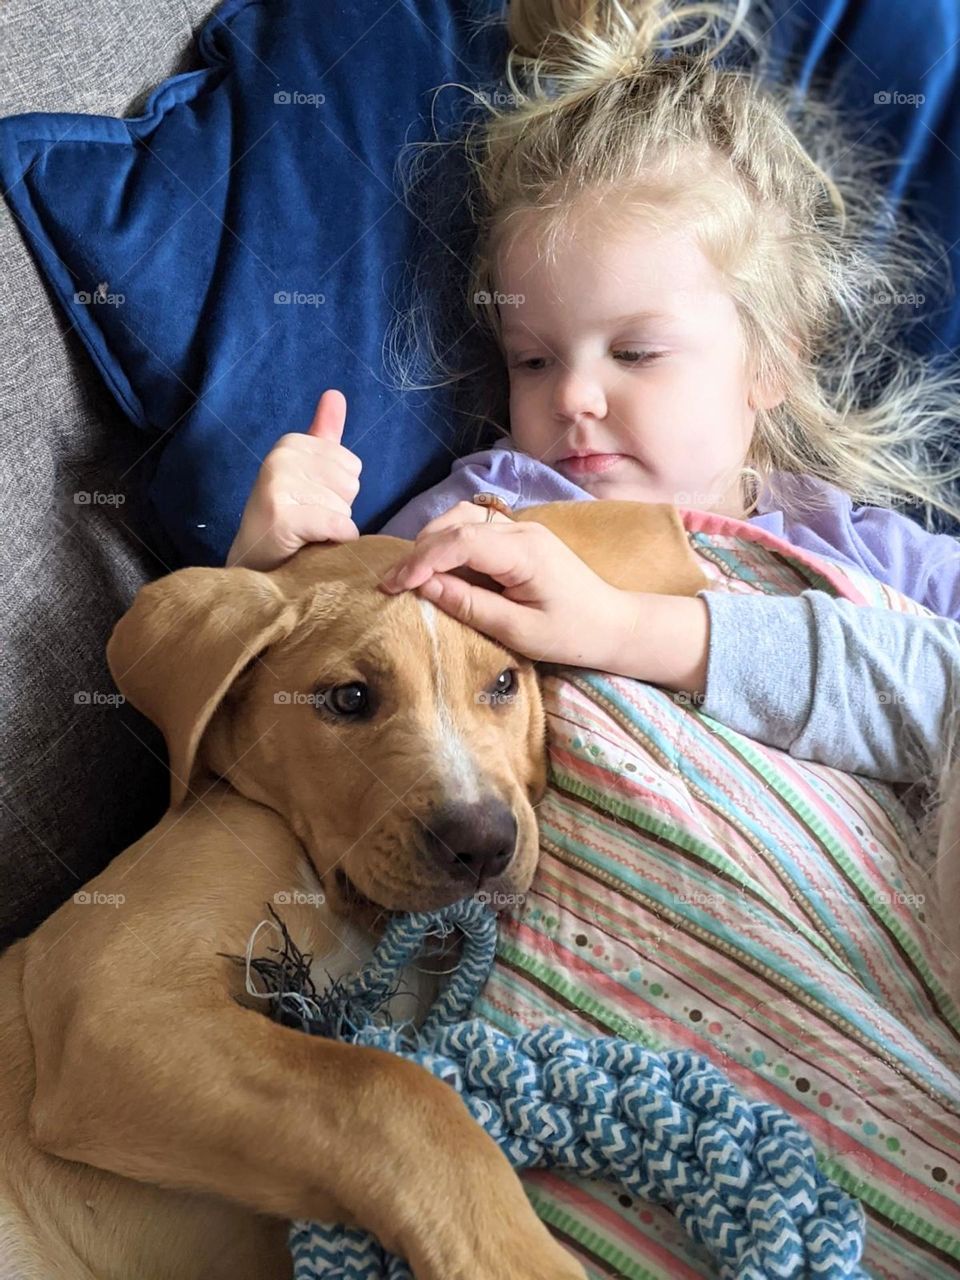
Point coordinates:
[(339, 752)]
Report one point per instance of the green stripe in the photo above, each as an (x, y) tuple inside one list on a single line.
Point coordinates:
[(735, 557), (844, 1069)]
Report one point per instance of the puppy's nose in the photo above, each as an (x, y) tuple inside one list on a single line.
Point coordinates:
[(472, 840)]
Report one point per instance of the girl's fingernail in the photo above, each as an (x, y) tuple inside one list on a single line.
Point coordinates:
[(431, 588)]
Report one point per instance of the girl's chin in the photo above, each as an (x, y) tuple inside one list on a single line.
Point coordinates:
[(620, 490)]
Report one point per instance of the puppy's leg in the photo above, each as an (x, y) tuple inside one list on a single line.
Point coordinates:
[(146, 1066), (295, 1127)]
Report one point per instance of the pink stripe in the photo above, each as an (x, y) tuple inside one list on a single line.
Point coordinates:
[(838, 829)]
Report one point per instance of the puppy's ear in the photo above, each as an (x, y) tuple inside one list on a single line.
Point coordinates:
[(182, 643), (637, 546)]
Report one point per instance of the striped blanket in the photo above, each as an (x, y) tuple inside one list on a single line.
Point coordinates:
[(698, 890)]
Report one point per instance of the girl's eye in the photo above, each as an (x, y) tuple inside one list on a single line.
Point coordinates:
[(636, 357), (536, 364)]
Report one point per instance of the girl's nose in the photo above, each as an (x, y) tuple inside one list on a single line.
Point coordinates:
[(576, 394)]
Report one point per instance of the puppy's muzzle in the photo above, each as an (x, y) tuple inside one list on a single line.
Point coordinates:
[(471, 841)]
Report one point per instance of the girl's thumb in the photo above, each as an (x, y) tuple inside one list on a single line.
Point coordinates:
[(329, 417)]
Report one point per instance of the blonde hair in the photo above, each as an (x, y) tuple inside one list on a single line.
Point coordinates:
[(619, 105)]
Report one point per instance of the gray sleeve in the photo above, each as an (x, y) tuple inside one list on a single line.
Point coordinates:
[(867, 690)]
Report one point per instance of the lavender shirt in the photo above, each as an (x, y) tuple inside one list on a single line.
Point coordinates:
[(862, 689)]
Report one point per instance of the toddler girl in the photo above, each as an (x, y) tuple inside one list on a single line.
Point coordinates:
[(688, 310)]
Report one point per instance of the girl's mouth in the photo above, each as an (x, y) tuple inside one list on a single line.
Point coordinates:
[(589, 463)]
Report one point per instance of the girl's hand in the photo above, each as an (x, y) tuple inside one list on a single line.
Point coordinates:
[(303, 493), (553, 607)]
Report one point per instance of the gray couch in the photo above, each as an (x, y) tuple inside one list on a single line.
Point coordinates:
[(80, 777)]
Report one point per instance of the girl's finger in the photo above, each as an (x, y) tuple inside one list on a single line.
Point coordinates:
[(484, 610), (499, 550)]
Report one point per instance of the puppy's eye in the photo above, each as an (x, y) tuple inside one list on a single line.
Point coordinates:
[(505, 686), (346, 699)]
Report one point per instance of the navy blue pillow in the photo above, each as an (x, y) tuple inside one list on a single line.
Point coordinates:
[(271, 172), (897, 66), (240, 247)]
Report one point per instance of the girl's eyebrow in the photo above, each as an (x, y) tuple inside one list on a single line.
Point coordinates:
[(518, 326)]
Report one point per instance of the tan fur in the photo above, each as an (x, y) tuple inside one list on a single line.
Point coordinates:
[(154, 1124)]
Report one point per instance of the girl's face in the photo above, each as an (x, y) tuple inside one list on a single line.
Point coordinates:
[(628, 352)]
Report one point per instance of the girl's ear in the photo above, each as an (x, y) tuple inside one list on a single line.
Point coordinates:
[(763, 396), (769, 391)]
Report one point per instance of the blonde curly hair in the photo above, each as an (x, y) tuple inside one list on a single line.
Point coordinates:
[(621, 105)]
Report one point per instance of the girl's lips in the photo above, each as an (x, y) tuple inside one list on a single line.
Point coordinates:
[(590, 462)]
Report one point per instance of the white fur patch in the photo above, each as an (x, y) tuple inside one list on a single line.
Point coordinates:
[(352, 948), (452, 747)]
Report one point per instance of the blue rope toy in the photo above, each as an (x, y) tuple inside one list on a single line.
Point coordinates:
[(741, 1177)]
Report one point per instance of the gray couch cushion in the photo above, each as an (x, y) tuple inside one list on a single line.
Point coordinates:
[(81, 777)]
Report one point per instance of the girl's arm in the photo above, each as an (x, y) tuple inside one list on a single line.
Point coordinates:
[(867, 690)]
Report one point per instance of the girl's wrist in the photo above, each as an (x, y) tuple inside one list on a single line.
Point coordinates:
[(663, 640)]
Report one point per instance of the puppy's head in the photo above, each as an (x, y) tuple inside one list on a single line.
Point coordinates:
[(404, 749)]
